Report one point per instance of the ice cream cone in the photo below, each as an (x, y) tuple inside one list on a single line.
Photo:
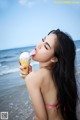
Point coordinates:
[(25, 61)]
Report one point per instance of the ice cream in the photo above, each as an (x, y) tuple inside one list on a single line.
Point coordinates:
[(25, 61), (33, 52)]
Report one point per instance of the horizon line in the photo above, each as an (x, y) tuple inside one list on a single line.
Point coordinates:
[(17, 47)]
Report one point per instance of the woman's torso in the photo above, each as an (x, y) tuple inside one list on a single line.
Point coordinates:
[(49, 92)]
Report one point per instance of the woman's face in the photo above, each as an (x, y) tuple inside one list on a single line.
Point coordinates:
[(45, 49)]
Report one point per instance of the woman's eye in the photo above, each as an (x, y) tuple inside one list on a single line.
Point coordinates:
[(45, 47)]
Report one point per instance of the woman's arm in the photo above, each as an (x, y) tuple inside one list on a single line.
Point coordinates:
[(33, 81)]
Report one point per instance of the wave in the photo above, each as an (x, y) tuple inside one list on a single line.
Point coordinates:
[(2, 62), (3, 66), (12, 70), (6, 57), (8, 61), (9, 71)]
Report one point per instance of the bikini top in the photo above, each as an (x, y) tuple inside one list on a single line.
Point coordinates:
[(52, 106), (49, 105)]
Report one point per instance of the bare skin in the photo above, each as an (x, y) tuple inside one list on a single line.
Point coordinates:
[(40, 84)]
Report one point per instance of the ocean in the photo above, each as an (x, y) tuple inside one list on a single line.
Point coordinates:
[(14, 97)]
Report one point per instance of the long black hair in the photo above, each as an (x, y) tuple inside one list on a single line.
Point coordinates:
[(64, 73)]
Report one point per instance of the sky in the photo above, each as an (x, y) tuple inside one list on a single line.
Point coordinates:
[(26, 22)]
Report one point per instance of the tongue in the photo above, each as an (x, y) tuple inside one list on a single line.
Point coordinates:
[(33, 52)]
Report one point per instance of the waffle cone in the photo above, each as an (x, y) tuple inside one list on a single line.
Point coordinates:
[(25, 64)]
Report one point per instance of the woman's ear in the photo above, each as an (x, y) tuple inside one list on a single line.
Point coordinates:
[(54, 59)]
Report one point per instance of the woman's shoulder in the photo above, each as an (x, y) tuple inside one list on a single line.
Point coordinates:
[(37, 76), (38, 73)]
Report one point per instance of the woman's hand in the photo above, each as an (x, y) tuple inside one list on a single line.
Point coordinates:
[(24, 74)]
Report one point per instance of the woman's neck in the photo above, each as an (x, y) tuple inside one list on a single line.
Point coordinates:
[(44, 64)]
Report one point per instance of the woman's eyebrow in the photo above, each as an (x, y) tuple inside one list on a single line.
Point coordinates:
[(48, 44)]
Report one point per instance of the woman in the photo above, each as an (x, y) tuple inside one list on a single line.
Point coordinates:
[(52, 88)]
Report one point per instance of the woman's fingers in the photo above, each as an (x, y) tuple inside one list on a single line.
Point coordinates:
[(21, 67), (22, 73), (30, 68)]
